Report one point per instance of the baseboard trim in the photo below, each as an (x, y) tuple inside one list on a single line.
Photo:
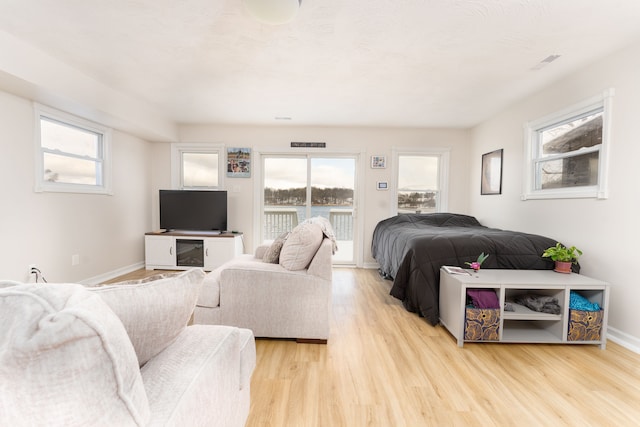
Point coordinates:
[(372, 265), (625, 340), (95, 280)]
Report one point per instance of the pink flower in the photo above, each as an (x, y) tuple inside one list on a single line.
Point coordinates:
[(476, 264)]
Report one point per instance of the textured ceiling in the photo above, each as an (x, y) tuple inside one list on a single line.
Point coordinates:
[(435, 63)]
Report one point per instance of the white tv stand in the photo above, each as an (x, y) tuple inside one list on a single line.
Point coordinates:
[(522, 325), (181, 250)]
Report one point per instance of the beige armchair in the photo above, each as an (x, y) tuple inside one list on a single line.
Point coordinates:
[(275, 300)]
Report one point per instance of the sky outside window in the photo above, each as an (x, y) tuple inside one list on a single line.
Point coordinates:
[(417, 173), (288, 172)]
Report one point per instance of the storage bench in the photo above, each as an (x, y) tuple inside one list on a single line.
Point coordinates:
[(522, 324)]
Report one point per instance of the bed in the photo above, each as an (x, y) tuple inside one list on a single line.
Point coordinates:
[(411, 248)]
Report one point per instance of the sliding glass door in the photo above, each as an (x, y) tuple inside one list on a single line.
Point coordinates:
[(299, 187)]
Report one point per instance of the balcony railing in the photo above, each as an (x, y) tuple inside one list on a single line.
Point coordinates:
[(342, 223), (279, 220)]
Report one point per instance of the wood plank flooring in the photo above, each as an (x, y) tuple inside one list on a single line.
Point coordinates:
[(384, 366)]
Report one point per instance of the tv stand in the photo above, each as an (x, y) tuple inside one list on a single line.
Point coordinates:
[(204, 233), (184, 249)]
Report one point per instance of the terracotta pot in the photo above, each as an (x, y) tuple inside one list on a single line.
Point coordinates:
[(563, 267)]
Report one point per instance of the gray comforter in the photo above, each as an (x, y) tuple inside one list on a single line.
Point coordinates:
[(411, 248)]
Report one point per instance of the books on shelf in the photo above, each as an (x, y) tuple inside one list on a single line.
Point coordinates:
[(455, 270)]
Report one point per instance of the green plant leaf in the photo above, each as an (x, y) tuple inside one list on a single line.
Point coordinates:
[(560, 252)]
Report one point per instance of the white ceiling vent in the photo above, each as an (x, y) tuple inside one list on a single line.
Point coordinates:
[(546, 61)]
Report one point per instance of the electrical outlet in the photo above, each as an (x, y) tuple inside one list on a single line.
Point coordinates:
[(75, 259)]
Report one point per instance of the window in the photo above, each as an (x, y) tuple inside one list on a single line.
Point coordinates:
[(422, 181), (196, 166), (566, 152), (72, 153)]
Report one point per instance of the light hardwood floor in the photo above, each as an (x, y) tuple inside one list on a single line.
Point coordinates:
[(386, 367)]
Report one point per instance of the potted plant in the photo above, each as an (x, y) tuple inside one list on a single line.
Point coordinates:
[(476, 264), (563, 257)]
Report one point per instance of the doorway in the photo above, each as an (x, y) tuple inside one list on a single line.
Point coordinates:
[(297, 187)]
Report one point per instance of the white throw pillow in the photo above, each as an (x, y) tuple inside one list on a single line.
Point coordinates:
[(66, 360), (154, 312), (301, 246)]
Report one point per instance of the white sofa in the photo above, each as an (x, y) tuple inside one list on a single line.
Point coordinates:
[(289, 298), (119, 355)]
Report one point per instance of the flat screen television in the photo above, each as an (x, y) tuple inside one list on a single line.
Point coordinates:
[(197, 210)]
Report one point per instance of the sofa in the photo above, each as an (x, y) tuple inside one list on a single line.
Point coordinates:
[(283, 290), (119, 355)]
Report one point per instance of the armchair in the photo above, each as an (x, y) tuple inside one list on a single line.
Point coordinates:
[(288, 299)]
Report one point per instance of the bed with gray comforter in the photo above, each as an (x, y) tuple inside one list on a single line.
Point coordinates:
[(411, 248)]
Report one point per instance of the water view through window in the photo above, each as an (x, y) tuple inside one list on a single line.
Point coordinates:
[(297, 188), (418, 187)]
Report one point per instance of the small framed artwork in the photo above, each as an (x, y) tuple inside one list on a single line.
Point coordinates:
[(382, 185), (239, 162), (491, 178), (378, 162)]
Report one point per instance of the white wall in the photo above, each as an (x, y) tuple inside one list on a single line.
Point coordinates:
[(32, 73), (46, 229), (606, 230), (107, 231), (370, 141)]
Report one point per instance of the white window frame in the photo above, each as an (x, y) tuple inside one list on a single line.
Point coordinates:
[(103, 173), (179, 148), (531, 136), (443, 155)]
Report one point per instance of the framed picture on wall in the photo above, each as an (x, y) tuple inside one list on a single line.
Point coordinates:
[(239, 162), (378, 162), (491, 177)]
